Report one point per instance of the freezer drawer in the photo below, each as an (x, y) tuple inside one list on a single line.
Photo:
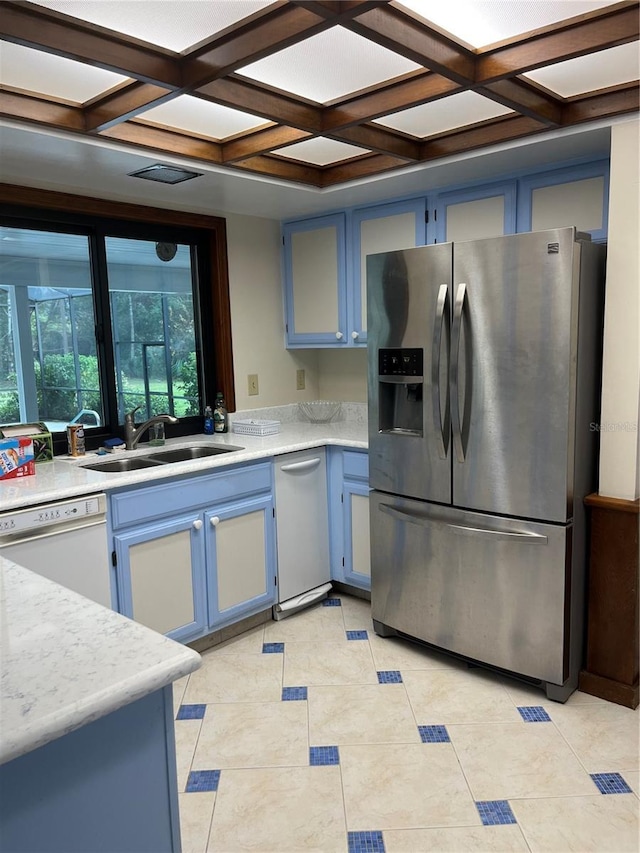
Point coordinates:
[(489, 588)]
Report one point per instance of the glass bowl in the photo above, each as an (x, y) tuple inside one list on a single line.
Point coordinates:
[(319, 411)]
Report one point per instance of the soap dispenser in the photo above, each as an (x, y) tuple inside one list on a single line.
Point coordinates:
[(208, 421), (220, 415)]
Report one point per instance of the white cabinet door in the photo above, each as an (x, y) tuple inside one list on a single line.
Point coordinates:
[(302, 522), (314, 273), (473, 214), (240, 564), (357, 558), (161, 576)]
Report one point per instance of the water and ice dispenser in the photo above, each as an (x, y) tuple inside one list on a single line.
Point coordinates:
[(400, 387)]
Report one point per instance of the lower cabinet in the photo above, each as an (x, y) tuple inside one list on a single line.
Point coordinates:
[(349, 517), (197, 554)]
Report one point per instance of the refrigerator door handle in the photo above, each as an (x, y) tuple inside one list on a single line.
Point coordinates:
[(456, 334), (441, 427), (522, 537)]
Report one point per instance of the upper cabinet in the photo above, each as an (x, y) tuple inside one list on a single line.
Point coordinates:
[(325, 270), (574, 196), (472, 214), (315, 281)]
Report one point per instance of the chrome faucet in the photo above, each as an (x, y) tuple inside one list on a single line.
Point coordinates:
[(133, 434)]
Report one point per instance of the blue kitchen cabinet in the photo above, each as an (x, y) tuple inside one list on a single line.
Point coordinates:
[(315, 270), (473, 213), (241, 559), (349, 517), (198, 553)]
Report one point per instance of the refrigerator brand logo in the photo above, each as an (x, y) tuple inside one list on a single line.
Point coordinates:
[(619, 426), (553, 248)]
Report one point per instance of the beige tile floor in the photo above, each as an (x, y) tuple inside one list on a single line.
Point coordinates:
[(416, 796)]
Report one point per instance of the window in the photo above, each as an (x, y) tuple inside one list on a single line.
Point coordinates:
[(100, 316)]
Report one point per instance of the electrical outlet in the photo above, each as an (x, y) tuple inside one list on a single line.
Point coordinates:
[(253, 384), (300, 382)]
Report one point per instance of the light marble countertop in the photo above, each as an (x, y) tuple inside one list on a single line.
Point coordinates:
[(66, 661), (67, 478)]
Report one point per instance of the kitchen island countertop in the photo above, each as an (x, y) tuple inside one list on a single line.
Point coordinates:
[(66, 477), (66, 661)]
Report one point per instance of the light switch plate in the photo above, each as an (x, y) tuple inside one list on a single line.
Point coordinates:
[(300, 380), (252, 381)]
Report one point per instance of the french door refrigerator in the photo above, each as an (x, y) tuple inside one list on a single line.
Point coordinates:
[(484, 388)]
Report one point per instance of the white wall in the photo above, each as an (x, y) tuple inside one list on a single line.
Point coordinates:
[(343, 375), (257, 317), (619, 450)]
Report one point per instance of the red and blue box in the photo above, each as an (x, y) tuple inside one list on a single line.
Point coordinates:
[(16, 458)]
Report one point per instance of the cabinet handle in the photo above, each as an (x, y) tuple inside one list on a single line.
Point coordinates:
[(339, 335), (215, 521), (355, 335), (305, 465), (197, 524)]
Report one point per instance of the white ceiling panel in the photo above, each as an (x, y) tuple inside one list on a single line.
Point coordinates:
[(175, 26), (328, 66), (321, 151), (483, 22), (24, 68), (197, 116), (445, 114), (596, 71)]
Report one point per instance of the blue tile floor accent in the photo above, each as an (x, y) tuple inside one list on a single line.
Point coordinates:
[(357, 635), (191, 712), (434, 734), (202, 780), (320, 755), (495, 812), (534, 714), (389, 676), (610, 783), (272, 648), (370, 841), (332, 602), (291, 694)]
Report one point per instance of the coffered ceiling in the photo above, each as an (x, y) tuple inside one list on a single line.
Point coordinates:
[(316, 92)]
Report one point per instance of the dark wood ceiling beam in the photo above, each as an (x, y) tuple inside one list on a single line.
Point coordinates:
[(261, 142), (275, 167), (605, 28), (271, 32), (123, 104), (405, 35), (242, 94), (615, 101), (340, 10), (380, 140), (25, 107), (167, 141), (486, 133), (364, 167), (421, 89), (525, 98), (36, 27)]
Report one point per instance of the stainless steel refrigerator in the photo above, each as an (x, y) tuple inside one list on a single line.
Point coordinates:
[(484, 389)]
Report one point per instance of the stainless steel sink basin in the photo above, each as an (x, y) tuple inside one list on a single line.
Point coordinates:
[(116, 465), (182, 454), (164, 457)]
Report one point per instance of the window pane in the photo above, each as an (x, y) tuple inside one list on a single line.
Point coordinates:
[(48, 359), (153, 327)]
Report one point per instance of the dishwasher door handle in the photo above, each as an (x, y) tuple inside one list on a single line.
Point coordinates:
[(306, 465)]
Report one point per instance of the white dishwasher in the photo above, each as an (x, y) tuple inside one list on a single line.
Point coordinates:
[(302, 530), (65, 541)]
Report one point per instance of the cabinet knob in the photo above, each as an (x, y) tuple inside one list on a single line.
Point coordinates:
[(355, 335), (339, 335), (197, 524), (215, 521)]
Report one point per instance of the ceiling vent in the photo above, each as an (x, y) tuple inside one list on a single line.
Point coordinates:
[(165, 174)]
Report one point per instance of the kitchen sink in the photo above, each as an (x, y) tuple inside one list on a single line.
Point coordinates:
[(182, 454), (115, 465), (164, 457)]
